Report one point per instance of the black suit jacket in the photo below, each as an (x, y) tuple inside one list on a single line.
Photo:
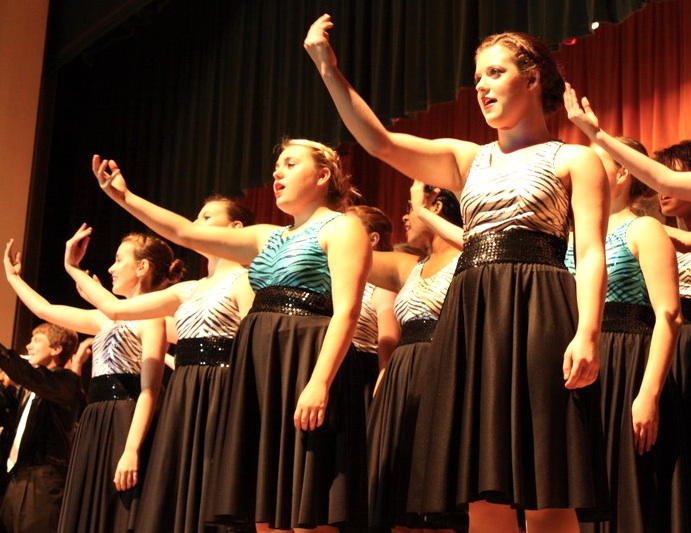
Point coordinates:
[(52, 420)]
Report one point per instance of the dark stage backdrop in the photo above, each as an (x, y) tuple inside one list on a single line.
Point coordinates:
[(191, 97)]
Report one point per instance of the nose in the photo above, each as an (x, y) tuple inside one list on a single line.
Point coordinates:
[(405, 218), (480, 84)]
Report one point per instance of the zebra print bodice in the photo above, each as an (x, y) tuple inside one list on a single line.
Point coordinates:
[(527, 196), (212, 313), (423, 297), (295, 261), (366, 334), (625, 282), (684, 262), (117, 349)]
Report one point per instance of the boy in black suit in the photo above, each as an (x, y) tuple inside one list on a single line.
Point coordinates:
[(46, 422)]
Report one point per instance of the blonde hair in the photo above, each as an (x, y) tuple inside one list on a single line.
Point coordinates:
[(342, 193)]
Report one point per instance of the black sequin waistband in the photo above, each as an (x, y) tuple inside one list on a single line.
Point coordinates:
[(291, 301), (203, 351), (418, 330), (512, 246), (114, 387), (627, 318), (686, 310)]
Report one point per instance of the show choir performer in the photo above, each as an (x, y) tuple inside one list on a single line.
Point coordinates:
[(509, 418), (206, 313), (108, 457), (292, 455)]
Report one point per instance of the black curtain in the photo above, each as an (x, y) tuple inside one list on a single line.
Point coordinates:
[(190, 97)]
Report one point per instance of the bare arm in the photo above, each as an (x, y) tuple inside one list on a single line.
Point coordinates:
[(154, 345), (150, 305), (590, 204), (441, 162), (388, 328), (390, 270), (87, 321), (349, 257), (428, 210), (649, 171), (658, 261), (240, 245)]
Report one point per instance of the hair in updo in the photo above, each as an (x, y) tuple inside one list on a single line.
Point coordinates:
[(164, 267), (532, 53), (375, 221), (342, 193), (235, 211)]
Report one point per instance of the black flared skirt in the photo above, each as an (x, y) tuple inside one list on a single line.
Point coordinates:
[(264, 469), (648, 492), (174, 493), (496, 422), (90, 502)]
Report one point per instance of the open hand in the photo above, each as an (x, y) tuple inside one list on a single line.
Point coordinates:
[(12, 260)]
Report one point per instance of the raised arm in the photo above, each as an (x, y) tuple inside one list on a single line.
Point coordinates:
[(154, 345), (441, 161), (590, 204), (349, 257), (87, 321), (240, 245), (149, 305), (427, 211), (656, 175), (658, 261)]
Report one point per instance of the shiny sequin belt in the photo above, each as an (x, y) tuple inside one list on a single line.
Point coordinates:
[(628, 318), (203, 351), (417, 330), (291, 301), (512, 246), (114, 387), (686, 309)]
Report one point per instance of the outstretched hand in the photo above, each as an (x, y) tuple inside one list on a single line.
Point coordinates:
[(75, 248), (583, 117), (317, 43), (109, 177), (12, 261)]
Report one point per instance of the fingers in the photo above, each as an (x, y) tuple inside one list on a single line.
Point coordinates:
[(580, 375), (125, 480), (308, 419)]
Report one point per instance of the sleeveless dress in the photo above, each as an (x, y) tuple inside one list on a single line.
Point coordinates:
[(173, 494), (391, 425), (495, 420), (681, 367), (264, 469), (647, 491), (365, 342), (91, 504)]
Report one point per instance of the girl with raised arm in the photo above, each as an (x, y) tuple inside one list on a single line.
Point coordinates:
[(674, 182), (107, 465), (640, 404), (509, 418), (421, 286), (292, 455), (206, 313)]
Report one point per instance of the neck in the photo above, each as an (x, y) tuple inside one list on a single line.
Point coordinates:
[(308, 215), (526, 133), (441, 246)]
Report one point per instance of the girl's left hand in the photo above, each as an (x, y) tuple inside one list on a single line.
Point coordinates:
[(311, 406)]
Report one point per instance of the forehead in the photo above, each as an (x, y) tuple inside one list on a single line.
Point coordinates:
[(125, 248), (295, 151), (214, 206), (495, 54)]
